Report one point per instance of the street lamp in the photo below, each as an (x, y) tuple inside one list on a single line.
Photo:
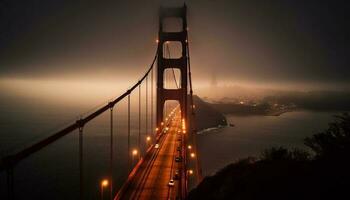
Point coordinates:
[(104, 183), (148, 139), (193, 155), (189, 147), (134, 153), (190, 172)]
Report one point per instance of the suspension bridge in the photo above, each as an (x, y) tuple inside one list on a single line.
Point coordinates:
[(165, 162)]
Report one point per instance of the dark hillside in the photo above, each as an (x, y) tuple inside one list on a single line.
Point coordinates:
[(206, 115), (284, 174)]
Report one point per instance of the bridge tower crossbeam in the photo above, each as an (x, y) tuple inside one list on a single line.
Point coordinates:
[(179, 94)]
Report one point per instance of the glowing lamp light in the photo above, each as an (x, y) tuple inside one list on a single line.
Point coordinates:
[(189, 147), (148, 138), (162, 123), (190, 171), (193, 155), (157, 41), (134, 152), (104, 183), (157, 129)]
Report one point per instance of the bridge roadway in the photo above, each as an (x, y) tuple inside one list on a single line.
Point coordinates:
[(151, 179)]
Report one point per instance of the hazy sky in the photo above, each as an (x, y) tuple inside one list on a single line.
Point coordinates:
[(254, 42)]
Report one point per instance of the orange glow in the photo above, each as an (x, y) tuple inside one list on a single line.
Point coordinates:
[(193, 155), (157, 41), (190, 171), (157, 129), (104, 183), (189, 147), (148, 138), (162, 123), (134, 152)]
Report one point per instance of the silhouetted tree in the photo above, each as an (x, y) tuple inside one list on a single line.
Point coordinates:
[(275, 153), (334, 142), (288, 174), (281, 153)]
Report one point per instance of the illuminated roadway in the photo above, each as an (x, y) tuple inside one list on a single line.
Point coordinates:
[(151, 180)]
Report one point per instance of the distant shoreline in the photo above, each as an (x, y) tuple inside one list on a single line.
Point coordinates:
[(251, 110)]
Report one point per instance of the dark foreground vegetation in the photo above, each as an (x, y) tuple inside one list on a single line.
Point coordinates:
[(288, 174)]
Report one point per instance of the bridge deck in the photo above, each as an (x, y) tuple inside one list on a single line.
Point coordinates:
[(152, 178)]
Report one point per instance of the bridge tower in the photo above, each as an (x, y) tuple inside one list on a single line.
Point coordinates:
[(163, 63)]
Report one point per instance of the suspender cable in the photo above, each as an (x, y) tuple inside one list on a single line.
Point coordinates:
[(146, 105), (111, 154), (139, 139), (152, 85), (10, 186), (129, 152), (198, 168), (11, 160), (81, 172), (174, 76)]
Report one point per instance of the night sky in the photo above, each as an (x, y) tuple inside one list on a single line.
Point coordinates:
[(256, 42)]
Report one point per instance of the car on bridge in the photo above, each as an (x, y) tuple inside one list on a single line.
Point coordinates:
[(178, 159), (171, 183), (176, 175)]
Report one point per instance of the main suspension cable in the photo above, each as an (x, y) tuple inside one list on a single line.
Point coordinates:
[(169, 56)]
